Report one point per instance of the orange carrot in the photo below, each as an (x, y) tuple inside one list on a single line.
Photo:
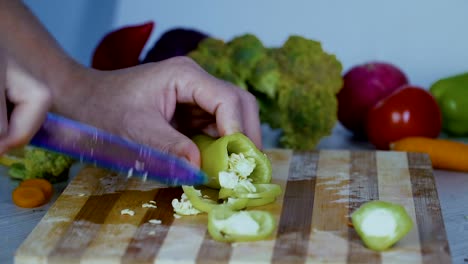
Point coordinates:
[(28, 197), (444, 154), (42, 184)]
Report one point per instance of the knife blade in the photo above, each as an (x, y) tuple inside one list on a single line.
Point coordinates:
[(93, 145)]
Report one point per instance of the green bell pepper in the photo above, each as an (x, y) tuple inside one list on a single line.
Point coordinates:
[(215, 155), (241, 175), (381, 224), (451, 95), (226, 225)]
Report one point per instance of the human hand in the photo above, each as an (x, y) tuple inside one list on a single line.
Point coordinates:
[(162, 105), (29, 100)]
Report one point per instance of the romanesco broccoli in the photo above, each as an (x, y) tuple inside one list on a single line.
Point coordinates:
[(39, 163), (295, 85)]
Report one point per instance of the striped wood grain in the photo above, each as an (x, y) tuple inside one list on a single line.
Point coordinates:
[(320, 191)]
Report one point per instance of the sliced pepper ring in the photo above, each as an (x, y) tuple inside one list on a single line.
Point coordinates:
[(264, 219), (206, 205), (260, 201), (263, 190), (373, 219), (198, 202)]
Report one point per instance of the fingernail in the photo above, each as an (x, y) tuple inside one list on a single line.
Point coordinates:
[(211, 131), (233, 128)]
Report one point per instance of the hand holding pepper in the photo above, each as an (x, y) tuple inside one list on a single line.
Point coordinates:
[(143, 103)]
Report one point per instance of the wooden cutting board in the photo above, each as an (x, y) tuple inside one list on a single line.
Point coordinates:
[(321, 189)]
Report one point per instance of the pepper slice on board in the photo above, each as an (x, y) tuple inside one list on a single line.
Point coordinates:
[(263, 190), (207, 204), (259, 201), (200, 203), (215, 154), (226, 225), (381, 224)]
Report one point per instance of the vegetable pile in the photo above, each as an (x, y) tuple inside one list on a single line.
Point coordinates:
[(378, 103), (239, 178), (364, 85)]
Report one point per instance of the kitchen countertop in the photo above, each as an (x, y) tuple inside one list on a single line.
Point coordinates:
[(17, 223)]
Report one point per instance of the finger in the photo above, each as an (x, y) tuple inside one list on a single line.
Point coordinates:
[(162, 136), (211, 130), (218, 98), (3, 112), (31, 100), (190, 119), (3, 102), (251, 120), (25, 119), (235, 109)]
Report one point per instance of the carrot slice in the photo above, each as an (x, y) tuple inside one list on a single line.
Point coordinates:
[(42, 184), (28, 197)]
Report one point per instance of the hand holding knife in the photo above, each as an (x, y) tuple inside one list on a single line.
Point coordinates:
[(90, 144)]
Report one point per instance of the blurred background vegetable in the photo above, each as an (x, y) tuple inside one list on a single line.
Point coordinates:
[(32, 193), (122, 47), (364, 85), (295, 85), (30, 163), (174, 42), (409, 111), (444, 153), (44, 185), (451, 94), (28, 197)]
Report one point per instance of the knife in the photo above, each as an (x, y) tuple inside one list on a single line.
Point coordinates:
[(90, 144)]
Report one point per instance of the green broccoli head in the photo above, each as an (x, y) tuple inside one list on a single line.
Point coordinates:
[(270, 113), (311, 78), (245, 51), (305, 61), (295, 85), (265, 77), (213, 55), (307, 114), (212, 47), (40, 163)]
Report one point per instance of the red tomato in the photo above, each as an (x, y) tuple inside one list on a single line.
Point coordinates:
[(409, 111)]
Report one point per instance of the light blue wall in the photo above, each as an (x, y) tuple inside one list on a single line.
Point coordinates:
[(76, 24), (427, 38)]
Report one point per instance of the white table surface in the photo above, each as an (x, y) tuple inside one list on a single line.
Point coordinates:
[(17, 223)]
